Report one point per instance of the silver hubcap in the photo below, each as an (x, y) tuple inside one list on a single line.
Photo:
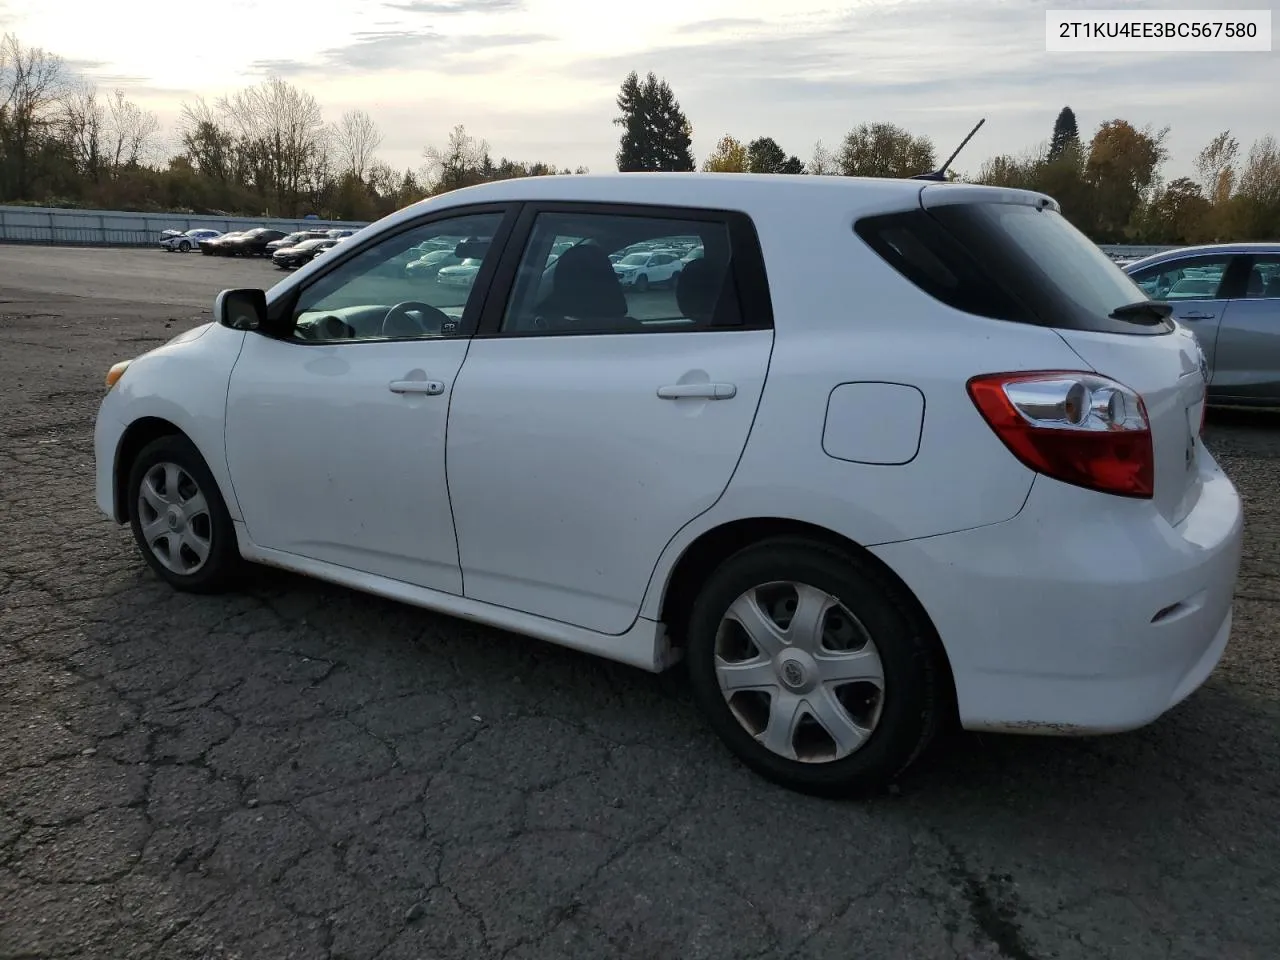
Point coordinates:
[(799, 672), (174, 517)]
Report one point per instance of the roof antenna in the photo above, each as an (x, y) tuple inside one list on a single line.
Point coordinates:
[(941, 173)]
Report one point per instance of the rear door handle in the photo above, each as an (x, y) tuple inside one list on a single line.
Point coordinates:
[(701, 391), (432, 388)]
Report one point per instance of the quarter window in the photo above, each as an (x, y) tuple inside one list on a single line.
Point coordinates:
[(1263, 282), (416, 284), (622, 274)]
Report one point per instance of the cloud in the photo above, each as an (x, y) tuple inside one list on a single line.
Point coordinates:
[(456, 6), (395, 50)]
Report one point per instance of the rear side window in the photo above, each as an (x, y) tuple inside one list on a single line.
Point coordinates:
[(1010, 262), (917, 247)]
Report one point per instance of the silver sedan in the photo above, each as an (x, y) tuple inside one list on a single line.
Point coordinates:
[(1229, 295)]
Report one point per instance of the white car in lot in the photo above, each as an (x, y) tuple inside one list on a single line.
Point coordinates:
[(175, 241), (958, 477), (646, 268)]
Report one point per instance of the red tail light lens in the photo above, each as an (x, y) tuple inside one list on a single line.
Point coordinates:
[(1079, 428)]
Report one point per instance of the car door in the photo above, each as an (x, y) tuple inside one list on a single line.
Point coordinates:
[(1194, 286), (1248, 355), (335, 435), (590, 423)]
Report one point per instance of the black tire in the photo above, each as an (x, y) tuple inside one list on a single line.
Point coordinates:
[(222, 565), (913, 702), (642, 283), (184, 247)]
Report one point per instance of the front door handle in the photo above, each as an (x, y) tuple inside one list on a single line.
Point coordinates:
[(432, 388), (1197, 316), (700, 391)]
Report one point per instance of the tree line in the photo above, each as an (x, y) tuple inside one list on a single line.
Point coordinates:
[(267, 150)]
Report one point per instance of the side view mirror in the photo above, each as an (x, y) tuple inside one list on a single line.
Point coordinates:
[(244, 309)]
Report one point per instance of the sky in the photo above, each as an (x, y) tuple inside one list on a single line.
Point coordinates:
[(537, 79)]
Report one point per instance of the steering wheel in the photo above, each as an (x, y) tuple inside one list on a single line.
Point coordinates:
[(402, 313)]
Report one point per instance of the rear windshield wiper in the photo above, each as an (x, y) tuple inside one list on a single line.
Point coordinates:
[(1143, 311)]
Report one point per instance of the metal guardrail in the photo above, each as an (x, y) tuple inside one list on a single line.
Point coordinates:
[(112, 228), (59, 226)]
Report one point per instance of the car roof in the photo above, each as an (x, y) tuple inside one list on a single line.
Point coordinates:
[(1180, 253), (715, 190)]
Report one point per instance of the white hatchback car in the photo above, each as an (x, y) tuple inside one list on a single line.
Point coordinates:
[(891, 452)]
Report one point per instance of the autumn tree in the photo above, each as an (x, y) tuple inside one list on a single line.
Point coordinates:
[(884, 150), (1177, 213), (1122, 166), (1255, 207), (656, 135), (729, 156)]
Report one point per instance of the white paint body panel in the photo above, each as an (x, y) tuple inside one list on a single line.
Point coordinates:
[(575, 490), (329, 464), (570, 474)]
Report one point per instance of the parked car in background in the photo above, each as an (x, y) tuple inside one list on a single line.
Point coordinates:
[(432, 262), (460, 275), (214, 246), (294, 239), (252, 243), (846, 540), (1228, 295), (290, 258), (340, 233), (644, 269), (176, 240)]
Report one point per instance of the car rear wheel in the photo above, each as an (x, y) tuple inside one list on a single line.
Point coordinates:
[(813, 669), (179, 519)]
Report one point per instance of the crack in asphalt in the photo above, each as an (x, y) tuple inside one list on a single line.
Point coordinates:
[(301, 771)]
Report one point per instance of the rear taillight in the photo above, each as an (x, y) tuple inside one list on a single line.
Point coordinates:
[(1076, 427)]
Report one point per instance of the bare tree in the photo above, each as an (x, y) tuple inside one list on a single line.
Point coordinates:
[(461, 163), (355, 140), (83, 120), (31, 83), (822, 163), (132, 133), (207, 142), (283, 127)]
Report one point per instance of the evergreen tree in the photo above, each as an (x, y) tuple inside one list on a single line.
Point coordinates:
[(1065, 134), (656, 134)]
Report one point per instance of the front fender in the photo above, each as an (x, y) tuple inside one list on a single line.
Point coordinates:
[(184, 383)]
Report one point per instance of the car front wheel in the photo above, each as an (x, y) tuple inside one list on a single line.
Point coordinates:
[(179, 519), (813, 668), (184, 247)]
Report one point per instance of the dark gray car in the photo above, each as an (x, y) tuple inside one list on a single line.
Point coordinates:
[(1229, 295)]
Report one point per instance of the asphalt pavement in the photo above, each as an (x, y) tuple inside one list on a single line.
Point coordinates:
[(301, 771)]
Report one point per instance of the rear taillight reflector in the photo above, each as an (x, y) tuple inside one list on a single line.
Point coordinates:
[(1076, 427)]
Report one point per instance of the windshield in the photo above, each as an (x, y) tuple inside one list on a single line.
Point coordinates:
[(634, 259)]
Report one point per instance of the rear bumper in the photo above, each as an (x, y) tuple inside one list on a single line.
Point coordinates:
[(1085, 613)]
